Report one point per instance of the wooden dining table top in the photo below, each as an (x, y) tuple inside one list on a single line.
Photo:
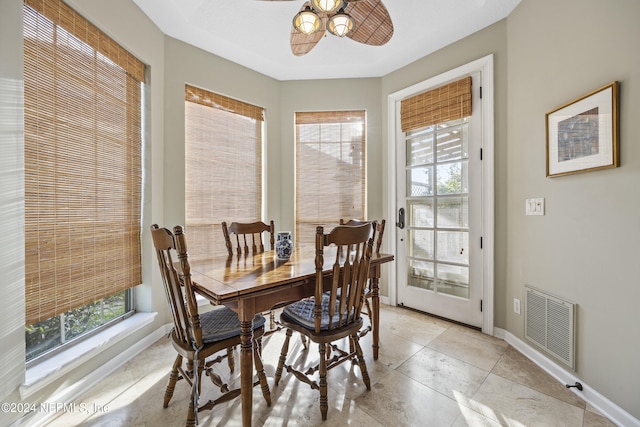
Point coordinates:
[(226, 279)]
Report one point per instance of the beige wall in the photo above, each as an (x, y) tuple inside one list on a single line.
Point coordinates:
[(585, 248)]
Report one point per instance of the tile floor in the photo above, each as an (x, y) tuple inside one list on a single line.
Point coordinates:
[(429, 373)]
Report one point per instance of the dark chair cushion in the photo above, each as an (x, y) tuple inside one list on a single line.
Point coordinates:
[(222, 323), (301, 312)]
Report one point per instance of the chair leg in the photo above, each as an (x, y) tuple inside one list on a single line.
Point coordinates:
[(368, 307), (173, 378), (272, 320), (257, 359), (230, 359), (283, 355), (361, 362), (324, 402), (191, 415)]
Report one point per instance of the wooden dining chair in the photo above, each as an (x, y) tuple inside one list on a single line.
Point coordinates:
[(198, 337), (370, 288), (246, 238), (328, 317)]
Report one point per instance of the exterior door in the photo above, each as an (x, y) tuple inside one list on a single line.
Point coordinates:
[(439, 188)]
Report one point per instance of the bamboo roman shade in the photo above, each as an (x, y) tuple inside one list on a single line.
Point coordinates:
[(330, 170), (83, 162), (223, 167), (449, 102)]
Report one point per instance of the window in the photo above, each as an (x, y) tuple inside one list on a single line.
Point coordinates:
[(330, 170), (223, 167), (83, 175)]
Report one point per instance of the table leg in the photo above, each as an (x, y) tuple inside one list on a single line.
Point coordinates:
[(375, 308), (245, 314)]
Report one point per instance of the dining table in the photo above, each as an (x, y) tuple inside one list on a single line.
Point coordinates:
[(254, 283)]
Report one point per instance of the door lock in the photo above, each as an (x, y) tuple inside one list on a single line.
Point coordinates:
[(400, 223)]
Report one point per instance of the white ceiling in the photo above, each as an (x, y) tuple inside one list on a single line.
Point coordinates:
[(255, 33)]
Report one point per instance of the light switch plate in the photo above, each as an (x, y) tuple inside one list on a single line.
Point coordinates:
[(534, 206)]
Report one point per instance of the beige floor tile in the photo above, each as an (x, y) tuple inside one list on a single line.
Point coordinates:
[(473, 350), (423, 317), (470, 418), (592, 419), (516, 367), (394, 349), (296, 404), (443, 373), (479, 335), (418, 330), (398, 400), (510, 404)]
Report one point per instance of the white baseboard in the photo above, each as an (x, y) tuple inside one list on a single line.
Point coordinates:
[(603, 405)]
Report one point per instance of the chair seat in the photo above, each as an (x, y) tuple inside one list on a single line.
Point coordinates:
[(222, 323), (301, 312)]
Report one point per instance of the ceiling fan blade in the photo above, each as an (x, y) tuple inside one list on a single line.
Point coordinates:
[(373, 23), (301, 43)]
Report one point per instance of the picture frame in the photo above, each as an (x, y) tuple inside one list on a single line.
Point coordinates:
[(582, 135)]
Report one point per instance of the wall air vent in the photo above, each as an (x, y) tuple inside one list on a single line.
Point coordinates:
[(550, 324)]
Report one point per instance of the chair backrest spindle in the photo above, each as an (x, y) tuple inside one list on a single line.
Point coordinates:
[(248, 237)]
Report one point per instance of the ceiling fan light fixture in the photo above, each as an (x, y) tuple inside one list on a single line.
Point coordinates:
[(307, 21), (340, 24), (327, 6)]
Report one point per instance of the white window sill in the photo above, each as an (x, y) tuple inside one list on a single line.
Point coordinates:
[(46, 372)]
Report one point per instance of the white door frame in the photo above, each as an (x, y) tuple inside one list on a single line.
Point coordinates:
[(485, 66)]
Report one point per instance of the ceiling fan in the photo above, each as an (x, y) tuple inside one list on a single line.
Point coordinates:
[(364, 21)]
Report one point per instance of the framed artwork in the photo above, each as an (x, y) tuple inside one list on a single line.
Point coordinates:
[(582, 135)]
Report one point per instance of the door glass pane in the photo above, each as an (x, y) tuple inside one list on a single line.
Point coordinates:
[(452, 178), (465, 177), (420, 213), (453, 246), (452, 143), (420, 181), (421, 244), (453, 212), (420, 149), (453, 280), (421, 274)]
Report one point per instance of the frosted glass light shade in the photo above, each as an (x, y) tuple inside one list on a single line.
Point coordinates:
[(340, 24), (327, 6), (307, 21)]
